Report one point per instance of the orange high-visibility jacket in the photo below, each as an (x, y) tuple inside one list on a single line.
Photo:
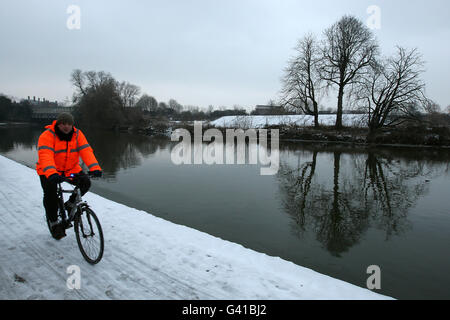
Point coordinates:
[(63, 157)]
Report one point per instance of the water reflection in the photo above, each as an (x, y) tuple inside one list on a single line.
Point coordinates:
[(117, 151), (23, 137), (339, 208)]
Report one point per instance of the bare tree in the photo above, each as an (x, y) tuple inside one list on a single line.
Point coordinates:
[(348, 51), (78, 80), (147, 103), (128, 93), (96, 80), (302, 81), (174, 105), (89, 81), (431, 107), (393, 92)]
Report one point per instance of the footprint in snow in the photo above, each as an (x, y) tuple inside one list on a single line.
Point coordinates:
[(18, 278), (109, 293)]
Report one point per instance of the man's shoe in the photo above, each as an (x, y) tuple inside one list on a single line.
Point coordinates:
[(58, 231)]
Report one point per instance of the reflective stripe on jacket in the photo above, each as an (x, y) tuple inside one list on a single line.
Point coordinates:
[(59, 156)]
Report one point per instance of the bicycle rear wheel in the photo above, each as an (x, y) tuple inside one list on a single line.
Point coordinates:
[(89, 235)]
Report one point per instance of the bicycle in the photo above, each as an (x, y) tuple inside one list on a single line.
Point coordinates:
[(87, 226)]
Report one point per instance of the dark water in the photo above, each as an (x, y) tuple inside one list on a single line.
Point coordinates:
[(331, 208)]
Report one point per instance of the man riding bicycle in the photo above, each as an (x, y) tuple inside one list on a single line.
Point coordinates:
[(60, 147)]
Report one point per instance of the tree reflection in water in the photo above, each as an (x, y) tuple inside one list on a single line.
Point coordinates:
[(125, 151), (339, 209), (24, 137), (389, 190)]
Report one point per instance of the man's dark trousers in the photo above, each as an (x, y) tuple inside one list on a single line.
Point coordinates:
[(51, 198)]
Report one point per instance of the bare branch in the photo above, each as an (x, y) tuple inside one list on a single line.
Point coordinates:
[(395, 88)]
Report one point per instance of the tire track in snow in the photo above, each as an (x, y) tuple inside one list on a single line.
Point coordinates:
[(164, 283)]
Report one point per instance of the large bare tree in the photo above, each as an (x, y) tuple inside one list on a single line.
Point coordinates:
[(302, 82), (348, 51), (393, 91)]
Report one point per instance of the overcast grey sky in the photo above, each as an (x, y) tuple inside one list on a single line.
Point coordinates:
[(199, 52)]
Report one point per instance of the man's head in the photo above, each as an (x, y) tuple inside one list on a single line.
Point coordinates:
[(65, 122)]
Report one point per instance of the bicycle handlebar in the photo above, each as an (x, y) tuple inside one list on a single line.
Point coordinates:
[(70, 179)]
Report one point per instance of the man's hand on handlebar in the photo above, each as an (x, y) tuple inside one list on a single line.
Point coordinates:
[(96, 173), (56, 178)]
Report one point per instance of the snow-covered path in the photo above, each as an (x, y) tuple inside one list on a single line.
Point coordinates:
[(145, 257)]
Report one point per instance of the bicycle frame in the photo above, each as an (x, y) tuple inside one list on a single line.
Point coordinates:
[(78, 202)]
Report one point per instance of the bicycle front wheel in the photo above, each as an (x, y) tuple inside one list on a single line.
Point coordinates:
[(89, 235)]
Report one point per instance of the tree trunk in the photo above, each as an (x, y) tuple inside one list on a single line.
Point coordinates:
[(316, 115), (339, 108)]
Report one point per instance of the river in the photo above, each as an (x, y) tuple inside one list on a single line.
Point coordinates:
[(334, 208)]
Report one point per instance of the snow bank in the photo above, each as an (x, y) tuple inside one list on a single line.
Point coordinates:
[(354, 120), (145, 257)]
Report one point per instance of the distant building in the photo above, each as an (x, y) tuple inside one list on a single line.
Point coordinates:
[(42, 103), (45, 109), (268, 110)]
